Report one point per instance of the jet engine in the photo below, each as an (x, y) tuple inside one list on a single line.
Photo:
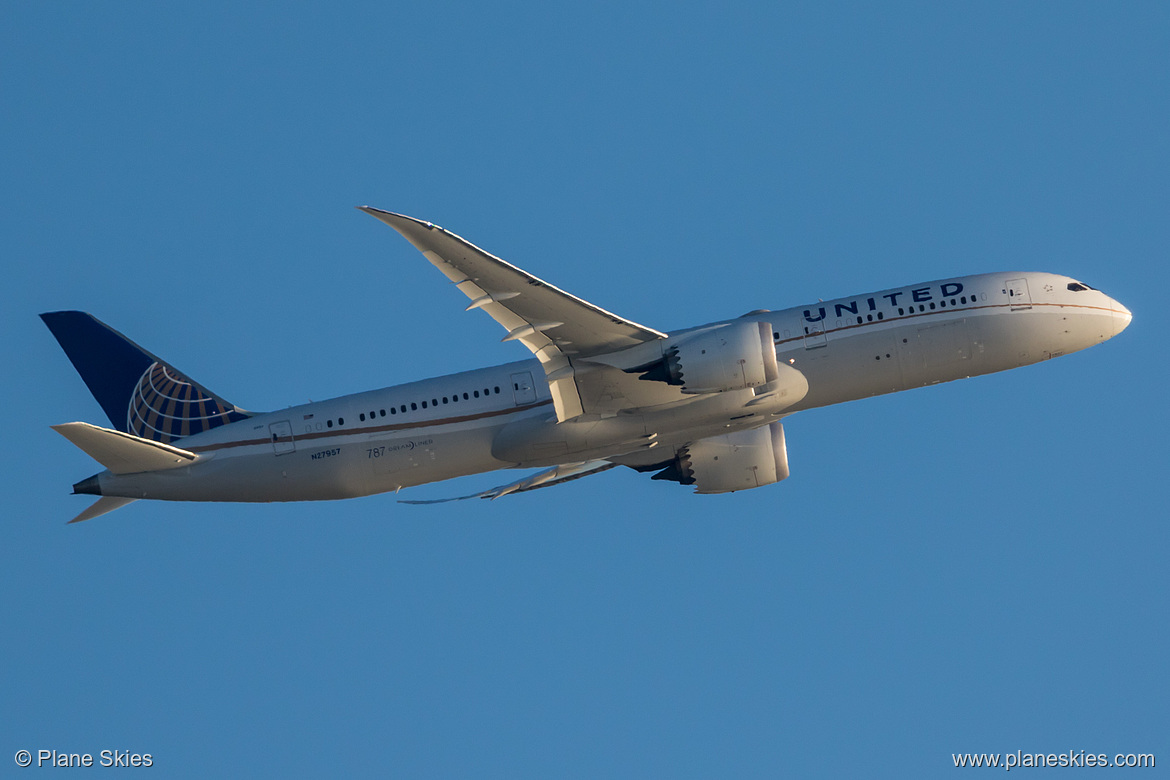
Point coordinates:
[(733, 461), (731, 357)]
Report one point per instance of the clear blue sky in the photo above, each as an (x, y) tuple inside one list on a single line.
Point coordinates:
[(974, 567)]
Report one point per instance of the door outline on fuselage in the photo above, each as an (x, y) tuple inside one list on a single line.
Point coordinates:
[(281, 434), (814, 334), (523, 390), (1017, 293)]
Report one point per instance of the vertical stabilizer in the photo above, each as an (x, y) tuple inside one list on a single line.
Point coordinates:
[(140, 393)]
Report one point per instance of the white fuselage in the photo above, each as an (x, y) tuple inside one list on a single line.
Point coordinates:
[(503, 417)]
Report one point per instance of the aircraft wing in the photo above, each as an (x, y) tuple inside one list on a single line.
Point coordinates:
[(556, 326), (557, 475)]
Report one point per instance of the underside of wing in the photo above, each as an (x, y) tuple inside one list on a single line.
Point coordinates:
[(556, 326), (729, 462), (557, 475)]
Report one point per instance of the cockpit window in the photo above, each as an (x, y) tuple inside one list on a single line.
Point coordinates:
[(1079, 287)]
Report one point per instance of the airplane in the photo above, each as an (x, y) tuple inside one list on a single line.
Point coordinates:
[(703, 406)]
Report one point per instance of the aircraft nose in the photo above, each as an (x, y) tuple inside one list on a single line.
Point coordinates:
[(1121, 316)]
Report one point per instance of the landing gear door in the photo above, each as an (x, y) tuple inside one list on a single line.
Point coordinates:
[(522, 388), (1017, 293), (282, 437)]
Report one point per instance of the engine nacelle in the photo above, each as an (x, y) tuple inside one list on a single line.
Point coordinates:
[(731, 357), (733, 461)]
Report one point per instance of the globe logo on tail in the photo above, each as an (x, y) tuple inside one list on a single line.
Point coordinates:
[(166, 406)]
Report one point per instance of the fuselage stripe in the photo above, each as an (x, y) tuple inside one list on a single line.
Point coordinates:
[(375, 428), (496, 413), (949, 310)]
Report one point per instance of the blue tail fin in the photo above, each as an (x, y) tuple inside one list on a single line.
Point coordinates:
[(140, 393)]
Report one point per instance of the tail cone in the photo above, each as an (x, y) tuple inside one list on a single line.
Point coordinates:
[(88, 487)]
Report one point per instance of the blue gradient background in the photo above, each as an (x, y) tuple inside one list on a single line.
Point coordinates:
[(979, 566)]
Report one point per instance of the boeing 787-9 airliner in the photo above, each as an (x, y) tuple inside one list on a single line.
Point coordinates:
[(702, 406)]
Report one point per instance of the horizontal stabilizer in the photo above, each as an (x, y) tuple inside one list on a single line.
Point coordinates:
[(123, 453), (103, 505)]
